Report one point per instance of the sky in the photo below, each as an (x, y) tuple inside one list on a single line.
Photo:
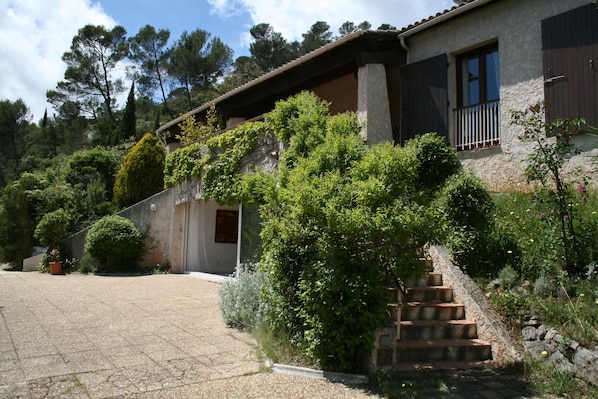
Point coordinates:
[(34, 34)]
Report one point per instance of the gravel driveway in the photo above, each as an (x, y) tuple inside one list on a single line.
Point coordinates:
[(159, 336)]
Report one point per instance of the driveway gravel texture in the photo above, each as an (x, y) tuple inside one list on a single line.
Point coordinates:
[(156, 336)]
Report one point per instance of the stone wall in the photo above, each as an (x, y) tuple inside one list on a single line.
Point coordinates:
[(546, 344)]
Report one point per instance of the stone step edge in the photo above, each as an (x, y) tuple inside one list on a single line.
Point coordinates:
[(436, 323), (441, 343), (433, 366), (332, 376)]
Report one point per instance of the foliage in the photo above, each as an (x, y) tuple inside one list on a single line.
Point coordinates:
[(269, 49), (192, 132), (95, 164), (142, 173), (14, 123), (128, 123), (467, 209), (240, 298), (318, 35), (149, 52), (343, 221), (197, 62), (17, 224), (115, 243), (95, 51), (437, 160), (184, 164), (545, 163), (217, 161), (52, 228), (538, 249), (349, 27)]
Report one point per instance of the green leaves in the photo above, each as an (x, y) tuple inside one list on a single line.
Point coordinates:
[(115, 242), (142, 172)]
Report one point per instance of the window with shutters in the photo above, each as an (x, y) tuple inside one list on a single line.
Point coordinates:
[(477, 118)]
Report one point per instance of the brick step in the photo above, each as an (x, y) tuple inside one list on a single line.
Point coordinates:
[(430, 294), (432, 311), (430, 279), (445, 350), (434, 329)]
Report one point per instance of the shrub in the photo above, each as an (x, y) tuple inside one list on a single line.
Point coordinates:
[(545, 164), (342, 222), (142, 173), (95, 164), (468, 210), (52, 228), (466, 202), (240, 298), (437, 161), (114, 242)]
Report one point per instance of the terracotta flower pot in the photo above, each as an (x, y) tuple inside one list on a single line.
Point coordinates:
[(55, 267)]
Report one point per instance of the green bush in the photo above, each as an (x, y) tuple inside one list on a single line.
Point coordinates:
[(240, 298), (142, 173), (471, 237), (52, 228), (466, 202), (342, 223), (437, 160), (115, 243), (94, 164)]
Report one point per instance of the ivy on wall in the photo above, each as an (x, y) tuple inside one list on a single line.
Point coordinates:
[(216, 160)]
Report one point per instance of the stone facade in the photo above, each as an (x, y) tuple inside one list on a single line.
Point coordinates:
[(516, 26)]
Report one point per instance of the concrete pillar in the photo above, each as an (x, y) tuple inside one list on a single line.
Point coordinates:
[(373, 107)]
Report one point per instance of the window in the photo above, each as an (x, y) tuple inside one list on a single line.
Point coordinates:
[(478, 80), (227, 226)]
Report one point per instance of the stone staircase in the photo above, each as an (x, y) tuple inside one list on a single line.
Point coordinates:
[(428, 329)]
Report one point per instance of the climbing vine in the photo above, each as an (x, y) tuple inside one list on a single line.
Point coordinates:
[(216, 160)]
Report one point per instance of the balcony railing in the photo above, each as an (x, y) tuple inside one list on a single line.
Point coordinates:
[(478, 126)]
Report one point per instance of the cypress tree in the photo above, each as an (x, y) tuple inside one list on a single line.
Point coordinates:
[(129, 121), (142, 173)]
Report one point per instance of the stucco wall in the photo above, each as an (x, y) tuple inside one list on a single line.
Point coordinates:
[(153, 218), (516, 25)]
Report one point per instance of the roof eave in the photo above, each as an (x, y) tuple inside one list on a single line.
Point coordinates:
[(278, 71)]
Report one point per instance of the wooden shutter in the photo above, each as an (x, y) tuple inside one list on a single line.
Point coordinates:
[(424, 98), (570, 62)]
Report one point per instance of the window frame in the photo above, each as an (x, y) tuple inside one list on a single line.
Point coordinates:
[(480, 53)]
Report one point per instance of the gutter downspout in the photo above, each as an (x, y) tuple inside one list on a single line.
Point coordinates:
[(405, 47)]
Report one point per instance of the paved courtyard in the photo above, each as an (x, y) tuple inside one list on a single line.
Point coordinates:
[(159, 336), (162, 336)]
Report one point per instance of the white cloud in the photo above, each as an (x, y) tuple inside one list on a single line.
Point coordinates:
[(294, 17), (33, 36)]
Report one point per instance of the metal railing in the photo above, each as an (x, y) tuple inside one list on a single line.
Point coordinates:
[(478, 126)]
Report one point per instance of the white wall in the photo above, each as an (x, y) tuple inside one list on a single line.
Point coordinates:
[(516, 25)]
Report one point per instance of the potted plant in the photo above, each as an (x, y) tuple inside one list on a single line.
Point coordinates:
[(51, 229), (55, 262)]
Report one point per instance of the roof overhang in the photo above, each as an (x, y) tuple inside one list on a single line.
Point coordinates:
[(340, 56)]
